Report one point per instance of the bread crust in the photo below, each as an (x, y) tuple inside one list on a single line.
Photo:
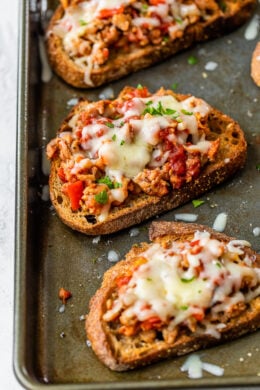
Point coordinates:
[(99, 334), (125, 63), (230, 158)]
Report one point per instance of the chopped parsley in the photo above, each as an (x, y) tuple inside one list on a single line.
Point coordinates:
[(113, 137), (110, 124), (82, 22), (101, 197), (178, 20), (184, 280), (185, 112), (174, 86), (192, 60), (218, 264), (159, 110), (258, 167), (197, 202), (139, 86), (122, 142), (184, 307), (106, 180)]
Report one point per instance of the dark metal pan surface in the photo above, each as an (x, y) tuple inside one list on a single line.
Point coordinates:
[(50, 344)]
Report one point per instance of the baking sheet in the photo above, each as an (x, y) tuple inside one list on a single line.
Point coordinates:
[(50, 347)]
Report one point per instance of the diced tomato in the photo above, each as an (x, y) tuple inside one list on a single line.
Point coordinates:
[(141, 92), (194, 243), (85, 118), (151, 323), (199, 316), (105, 52), (75, 191), (123, 280), (61, 174), (156, 2), (109, 12)]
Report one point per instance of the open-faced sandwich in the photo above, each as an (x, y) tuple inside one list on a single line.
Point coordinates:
[(96, 41), (190, 288), (115, 163)]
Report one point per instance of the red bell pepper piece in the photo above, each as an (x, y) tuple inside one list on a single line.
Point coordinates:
[(75, 191)]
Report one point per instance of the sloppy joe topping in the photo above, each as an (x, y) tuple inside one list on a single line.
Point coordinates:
[(93, 31), (140, 142), (185, 283)]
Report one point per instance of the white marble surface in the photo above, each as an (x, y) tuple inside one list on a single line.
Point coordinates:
[(8, 94)]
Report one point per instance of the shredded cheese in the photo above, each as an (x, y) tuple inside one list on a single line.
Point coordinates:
[(210, 280), (78, 18)]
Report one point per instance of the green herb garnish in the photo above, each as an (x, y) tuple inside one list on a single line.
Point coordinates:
[(178, 20), (197, 202), (218, 264), (117, 185), (184, 307), (192, 60), (184, 280), (113, 137), (258, 167), (174, 85), (110, 124), (139, 86), (106, 180), (159, 110), (101, 197), (82, 22), (185, 112), (122, 142)]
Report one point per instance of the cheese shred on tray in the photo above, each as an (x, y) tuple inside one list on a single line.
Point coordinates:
[(141, 142)]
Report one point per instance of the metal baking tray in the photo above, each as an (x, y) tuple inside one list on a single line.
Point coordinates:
[(50, 348)]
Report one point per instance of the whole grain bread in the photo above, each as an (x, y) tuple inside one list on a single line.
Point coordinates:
[(219, 18), (124, 352), (137, 207)]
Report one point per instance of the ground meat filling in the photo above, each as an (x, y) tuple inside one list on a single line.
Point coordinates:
[(139, 143)]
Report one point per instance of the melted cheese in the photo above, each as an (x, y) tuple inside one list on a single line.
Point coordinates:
[(162, 287), (130, 144), (78, 18)]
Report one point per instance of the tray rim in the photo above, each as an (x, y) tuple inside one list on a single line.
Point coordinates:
[(20, 251)]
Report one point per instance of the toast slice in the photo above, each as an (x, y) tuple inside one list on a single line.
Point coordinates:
[(90, 43), (117, 163), (190, 288)]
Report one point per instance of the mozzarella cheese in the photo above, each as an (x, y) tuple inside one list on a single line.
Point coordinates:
[(210, 280), (128, 145), (79, 17)]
